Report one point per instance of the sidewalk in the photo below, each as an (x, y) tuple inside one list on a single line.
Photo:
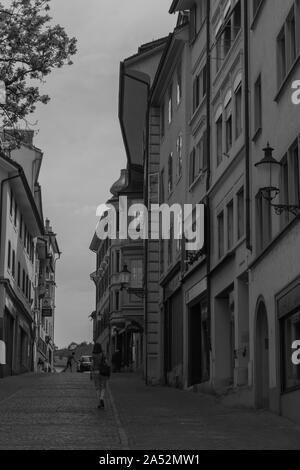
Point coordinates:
[(166, 418)]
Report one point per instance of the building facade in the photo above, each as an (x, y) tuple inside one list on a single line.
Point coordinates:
[(21, 226)]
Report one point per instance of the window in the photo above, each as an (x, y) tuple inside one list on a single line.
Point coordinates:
[(118, 260), (228, 127), (13, 269), (23, 281), (170, 104), (202, 152), (179, 83), (117, 300), (193, 23), (162, 254), (257, 105), (218, 52), (162, 187), (196, 93), (21, 227), (263, 222), (227, 38), (219, 137), (240, 214), (11, 210), (287, 47), (256, 6), (170, 173), (220, 221), (16, 213), (162, 120), (238, 112), (170, 244), (9, 255), (27, 286), (237, 19), (192, 166), (230, 228), (290, 181), (281, 57), (290, 327), (136, 279), (19, 274), (204, 80), (179, 156)]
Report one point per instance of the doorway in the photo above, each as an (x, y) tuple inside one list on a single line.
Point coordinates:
[(9, 342), (262, 358)]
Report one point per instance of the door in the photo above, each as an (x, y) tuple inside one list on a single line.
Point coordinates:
[(9, 342), (195, 345), (262, 359)]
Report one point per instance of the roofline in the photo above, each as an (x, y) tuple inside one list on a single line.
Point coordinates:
[(161, 65), (154, 45), (27, 189), (173, 6)]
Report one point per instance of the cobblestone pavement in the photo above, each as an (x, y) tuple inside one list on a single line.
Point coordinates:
[(58, 411), (165, 418)]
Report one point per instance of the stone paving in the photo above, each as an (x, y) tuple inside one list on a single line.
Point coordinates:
[(59, 411), (55, 412)]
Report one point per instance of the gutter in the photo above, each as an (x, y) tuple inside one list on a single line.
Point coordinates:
[(247, 129), (208, 175)]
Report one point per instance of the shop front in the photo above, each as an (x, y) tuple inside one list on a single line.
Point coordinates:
[(288, 312)]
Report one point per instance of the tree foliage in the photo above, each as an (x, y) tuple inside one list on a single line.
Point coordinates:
[(30, 48)]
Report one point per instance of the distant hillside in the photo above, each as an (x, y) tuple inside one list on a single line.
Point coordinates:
[(61, 355)]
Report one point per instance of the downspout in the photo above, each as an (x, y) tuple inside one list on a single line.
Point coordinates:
[(208, 175), (247, 129), (146, 202)]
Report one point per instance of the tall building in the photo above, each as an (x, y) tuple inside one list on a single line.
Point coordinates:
[(48, 253), (21, 223), (22, 229)]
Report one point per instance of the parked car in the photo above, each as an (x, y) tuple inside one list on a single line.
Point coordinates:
[(84, 364)]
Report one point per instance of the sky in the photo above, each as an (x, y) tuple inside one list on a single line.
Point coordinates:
[(79, 133)]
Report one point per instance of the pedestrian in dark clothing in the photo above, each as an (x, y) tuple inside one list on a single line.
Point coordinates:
[(101, 373), (71, 360)]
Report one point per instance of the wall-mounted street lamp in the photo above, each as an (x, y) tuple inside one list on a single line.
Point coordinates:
[(269, 174), (125, 277)]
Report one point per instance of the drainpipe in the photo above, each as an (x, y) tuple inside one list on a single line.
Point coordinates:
[(146, 202), (247, 128), (208, 153)]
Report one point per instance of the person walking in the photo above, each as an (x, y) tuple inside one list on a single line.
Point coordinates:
[(101, 373), (71, 360)]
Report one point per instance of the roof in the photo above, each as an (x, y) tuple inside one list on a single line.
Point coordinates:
[(22, 189)]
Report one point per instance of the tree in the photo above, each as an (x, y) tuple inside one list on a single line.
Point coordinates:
[(30, 48)]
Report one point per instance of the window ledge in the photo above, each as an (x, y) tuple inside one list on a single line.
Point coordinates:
[(196, 181), (197, 110), (286, 79)]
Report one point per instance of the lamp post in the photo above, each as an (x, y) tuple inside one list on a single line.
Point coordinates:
[(268, 177), (125, 276)]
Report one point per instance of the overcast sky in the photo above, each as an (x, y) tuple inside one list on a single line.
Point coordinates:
[(80, 136)]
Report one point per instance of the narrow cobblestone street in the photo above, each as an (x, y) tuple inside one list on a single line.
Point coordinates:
[(59, 412)]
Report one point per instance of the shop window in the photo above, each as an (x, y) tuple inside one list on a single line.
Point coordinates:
[(290, 332)]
